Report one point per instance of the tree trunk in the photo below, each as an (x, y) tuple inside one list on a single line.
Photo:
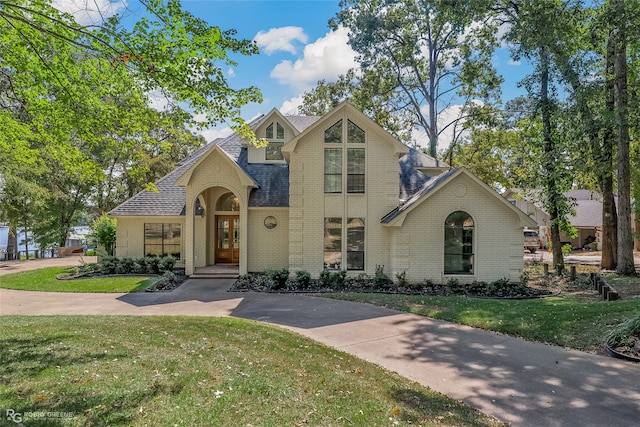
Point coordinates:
[(12, 244), (625, 237), (26, 242), (605, 173), (553, 195)]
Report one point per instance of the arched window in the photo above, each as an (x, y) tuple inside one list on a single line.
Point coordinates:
[(228, 202), (458, 243)]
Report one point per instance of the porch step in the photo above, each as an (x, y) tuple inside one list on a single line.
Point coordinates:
[(214, 276)]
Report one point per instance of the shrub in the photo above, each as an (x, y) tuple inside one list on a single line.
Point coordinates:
[(166, 263), (279, 277), (243, 282), (401, 279), (127, 265), (304, 278), (333, 278), (104, 231), (381, 280), (169, 276), (452, 286), (625, 333), (152, 264), (109, 264)]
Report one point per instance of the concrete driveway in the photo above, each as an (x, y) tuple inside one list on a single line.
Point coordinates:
[(520, 382)]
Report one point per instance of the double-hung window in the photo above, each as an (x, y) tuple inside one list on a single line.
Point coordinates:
[(335, 245)]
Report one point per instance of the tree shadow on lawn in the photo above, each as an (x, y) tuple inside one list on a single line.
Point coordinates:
[(36, 378)]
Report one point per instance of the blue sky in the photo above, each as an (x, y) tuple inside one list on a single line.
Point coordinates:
[(297, 48)]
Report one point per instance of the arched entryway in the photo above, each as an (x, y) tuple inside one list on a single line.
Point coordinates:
[(218, 231), (226, 230)]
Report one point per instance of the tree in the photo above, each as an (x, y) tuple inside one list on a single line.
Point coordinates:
[(430, 53), (538, 31), (104, 231), (370, 92), (168, 50), (621, 16)]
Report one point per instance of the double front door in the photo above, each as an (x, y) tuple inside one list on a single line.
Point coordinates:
[(227, 239)]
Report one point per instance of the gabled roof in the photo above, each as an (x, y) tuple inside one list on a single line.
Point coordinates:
[(298, 123), (396, 216), (352, 110), (416, 168), (270, 180)]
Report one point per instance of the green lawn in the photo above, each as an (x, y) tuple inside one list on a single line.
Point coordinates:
[(44, 279), (191, 371)]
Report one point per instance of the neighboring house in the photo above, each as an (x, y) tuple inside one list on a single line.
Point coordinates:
[(78, 236), (330, 192), (587, 219)]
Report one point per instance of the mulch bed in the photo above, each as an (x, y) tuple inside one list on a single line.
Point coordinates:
[(261, 283)]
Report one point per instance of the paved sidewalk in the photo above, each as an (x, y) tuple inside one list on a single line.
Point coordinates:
[(524, 383)]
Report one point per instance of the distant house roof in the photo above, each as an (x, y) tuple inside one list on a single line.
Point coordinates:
[(272, 179), (588, 205)]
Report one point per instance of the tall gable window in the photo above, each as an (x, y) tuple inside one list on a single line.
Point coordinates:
[(275, 135), (458, 243), (335, 163)]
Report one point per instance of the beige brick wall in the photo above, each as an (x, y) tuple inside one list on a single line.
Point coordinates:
[(309, 205), (130, 234), (268, 248), (418, 245)]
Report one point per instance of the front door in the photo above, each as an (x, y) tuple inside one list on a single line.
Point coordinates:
[(227, 239)]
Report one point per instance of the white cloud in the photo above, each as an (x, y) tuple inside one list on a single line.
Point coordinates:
[(89, 12), (326, 58), (231, 72), (513, 62), (290, 106), (280, 39), (211, 134)]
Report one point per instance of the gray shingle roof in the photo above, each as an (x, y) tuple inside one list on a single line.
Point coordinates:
[(411, 179), (426, 188), (170, 198), (272, 179)]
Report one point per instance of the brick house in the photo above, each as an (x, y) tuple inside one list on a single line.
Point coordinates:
[(330, 192)]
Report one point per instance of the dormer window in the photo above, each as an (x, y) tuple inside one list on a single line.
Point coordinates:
[(275, 135)]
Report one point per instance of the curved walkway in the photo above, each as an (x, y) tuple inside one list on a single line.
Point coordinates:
[(523, 383)]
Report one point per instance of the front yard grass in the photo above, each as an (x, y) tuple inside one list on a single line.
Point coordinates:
[(44, 279), (190, 371), (576, 318)]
